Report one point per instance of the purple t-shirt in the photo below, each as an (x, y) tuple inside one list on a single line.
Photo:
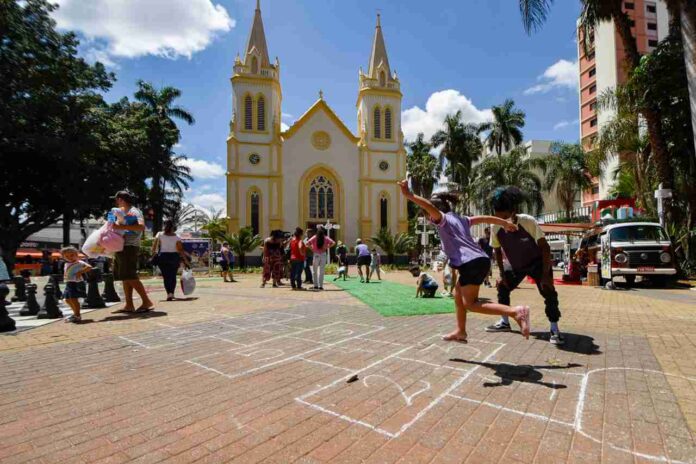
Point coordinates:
[(457, 242)]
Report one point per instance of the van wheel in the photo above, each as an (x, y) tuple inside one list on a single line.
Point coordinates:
[(630, 280)]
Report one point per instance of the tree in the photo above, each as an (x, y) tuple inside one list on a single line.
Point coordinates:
[(516, 169), (392, 244), (422, 166), (50, 138), (567, 174), (163, 134), (243, 242), (183, 214), (215, 225), (594, 12), (460, 147), (505, 131)]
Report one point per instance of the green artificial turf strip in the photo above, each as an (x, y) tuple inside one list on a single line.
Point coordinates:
[(393, 299)]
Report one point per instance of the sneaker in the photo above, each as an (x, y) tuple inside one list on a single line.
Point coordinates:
[(557, 338), (500, 326), (74, 319)]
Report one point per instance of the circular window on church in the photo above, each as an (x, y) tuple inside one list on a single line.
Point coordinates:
[(254, 159), (383, 165), (321, 140)]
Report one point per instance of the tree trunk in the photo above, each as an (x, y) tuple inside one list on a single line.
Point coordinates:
[(652, 117), (688, 30), (67, 222)]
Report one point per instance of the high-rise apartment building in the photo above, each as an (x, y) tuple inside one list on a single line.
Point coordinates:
[(602, 67)]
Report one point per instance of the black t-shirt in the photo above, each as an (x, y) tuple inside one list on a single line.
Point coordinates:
[(485, 245)]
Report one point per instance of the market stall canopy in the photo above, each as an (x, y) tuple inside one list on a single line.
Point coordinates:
[(566, 228)]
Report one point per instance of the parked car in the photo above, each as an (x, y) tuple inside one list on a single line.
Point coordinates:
[(631, 249)]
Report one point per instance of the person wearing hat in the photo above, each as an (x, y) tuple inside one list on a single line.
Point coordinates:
[(129, 222)]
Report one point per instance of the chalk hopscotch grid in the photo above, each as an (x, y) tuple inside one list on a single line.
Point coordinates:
[(576, 424)]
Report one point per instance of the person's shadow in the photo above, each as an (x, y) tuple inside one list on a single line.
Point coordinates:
[(509, 373), (574, 343), (130, 315)]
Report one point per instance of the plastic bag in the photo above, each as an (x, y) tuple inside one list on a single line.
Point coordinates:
[(188, 282), (92, 248), (109, 239)]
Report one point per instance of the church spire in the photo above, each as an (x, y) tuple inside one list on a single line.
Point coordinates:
[(257, 38), (379, 53)]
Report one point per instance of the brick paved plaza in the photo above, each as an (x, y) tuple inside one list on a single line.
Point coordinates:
[(244, 374)]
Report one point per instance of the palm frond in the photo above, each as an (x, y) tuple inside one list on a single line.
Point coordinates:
[(534, 13)]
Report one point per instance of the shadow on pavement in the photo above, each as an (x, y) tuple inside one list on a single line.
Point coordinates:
[(510, 373), (130, 316), (574, 343)]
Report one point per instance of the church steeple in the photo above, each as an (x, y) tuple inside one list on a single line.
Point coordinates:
[(378, 58), (257, 40)]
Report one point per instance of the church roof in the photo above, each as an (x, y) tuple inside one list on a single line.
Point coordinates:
[(379, 52), (320, 104), (257, 37)]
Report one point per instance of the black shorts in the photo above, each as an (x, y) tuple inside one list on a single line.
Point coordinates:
[(126, 263), (74, 290), (364, 260), (225, 266), (474, 272)]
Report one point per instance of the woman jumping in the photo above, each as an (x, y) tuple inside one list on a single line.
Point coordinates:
[(467, 258)]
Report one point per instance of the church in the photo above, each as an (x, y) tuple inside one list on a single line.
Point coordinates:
[(318, 170)]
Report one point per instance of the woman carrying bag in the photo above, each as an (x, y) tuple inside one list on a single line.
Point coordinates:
[(168, 253)]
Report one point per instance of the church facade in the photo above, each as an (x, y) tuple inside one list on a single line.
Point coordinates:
[(318, 170)]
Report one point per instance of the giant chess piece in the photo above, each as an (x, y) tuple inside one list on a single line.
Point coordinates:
[(20, 289), (50, 309), (31, 306), (94, 300), (55, 279), (7, 324), (110, 295)]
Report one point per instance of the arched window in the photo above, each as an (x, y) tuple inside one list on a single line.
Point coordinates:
[(383, 212), (248, 117), (378, 123), (261, 114), (255, 211), (321, 199), (254, 65), (382, 79), (387, 123)]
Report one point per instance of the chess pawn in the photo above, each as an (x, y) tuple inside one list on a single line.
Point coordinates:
[(31, 306)]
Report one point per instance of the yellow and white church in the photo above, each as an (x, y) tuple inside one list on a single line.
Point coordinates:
[(318, 170)]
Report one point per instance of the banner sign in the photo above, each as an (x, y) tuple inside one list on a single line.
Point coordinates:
[(198, 250)]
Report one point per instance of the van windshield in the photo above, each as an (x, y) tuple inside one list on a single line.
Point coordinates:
[(638, 233)]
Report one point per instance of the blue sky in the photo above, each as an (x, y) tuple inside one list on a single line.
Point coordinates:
[(449, 55)]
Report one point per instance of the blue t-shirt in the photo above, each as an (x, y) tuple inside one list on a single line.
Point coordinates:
[(457, 242), (362, 250)]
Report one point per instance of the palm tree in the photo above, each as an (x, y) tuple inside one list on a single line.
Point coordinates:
[(163, 134), (594, 12), (461, 146), (243, 242), (516, 169), (183, 214), (567, 174), (422, 166), (392, 244), (506, 127)]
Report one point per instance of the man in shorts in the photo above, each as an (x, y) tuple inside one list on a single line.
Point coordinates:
[(131, 224)]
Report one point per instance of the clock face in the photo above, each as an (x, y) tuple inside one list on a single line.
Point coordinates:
[(254, 158), (383, 165)]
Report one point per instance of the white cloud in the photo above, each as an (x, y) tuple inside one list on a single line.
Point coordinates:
[(201, 169), (133, 28), (284, 127), (209, 201), (439, 105), (562, 74), (564, 123)]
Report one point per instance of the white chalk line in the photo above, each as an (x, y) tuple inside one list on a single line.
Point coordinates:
[(321, 363), (407, 398), (290, 358), (443, 366)]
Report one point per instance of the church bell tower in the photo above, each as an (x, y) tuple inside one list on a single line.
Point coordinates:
[(382, 153), (254, 167)]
